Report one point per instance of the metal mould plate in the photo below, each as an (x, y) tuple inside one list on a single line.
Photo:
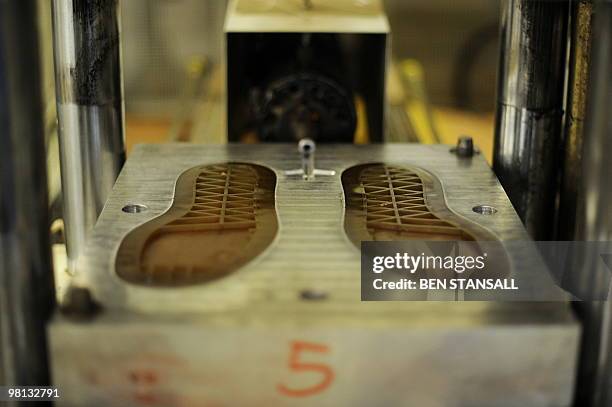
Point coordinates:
[(226, 342), (311, 251)]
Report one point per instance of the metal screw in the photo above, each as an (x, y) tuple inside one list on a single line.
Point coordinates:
[(465, 147)]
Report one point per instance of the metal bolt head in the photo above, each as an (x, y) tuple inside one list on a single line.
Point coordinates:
[(465, 147)]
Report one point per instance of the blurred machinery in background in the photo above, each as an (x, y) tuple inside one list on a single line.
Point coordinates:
[(215, 275), (318, 73)]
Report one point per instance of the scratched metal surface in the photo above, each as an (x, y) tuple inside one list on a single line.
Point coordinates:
[(311, 251), (227, 342)]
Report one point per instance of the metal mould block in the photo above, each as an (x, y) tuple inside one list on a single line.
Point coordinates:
[(229, 340)]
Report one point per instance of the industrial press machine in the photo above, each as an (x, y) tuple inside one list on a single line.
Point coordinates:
[(223, 275)]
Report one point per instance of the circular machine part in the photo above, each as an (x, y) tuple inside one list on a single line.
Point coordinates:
[(306, 106)]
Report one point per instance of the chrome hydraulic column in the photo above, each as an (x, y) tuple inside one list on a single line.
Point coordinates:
[(89, 91), (26, 279), (530, 107)]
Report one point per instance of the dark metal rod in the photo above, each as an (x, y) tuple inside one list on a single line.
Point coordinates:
[(89, 91), (594, 220), (26, 279), (530, 107), (571, 167)]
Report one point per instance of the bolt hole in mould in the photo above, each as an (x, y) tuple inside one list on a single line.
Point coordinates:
[(485, 209), (134, 208)]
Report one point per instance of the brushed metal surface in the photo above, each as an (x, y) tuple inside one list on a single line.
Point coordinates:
[(311, 250), (414, 363), (227, 341)]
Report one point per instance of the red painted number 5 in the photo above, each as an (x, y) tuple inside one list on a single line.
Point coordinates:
[(296, 365)]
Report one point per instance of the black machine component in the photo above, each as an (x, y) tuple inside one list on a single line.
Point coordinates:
[(297, 71), (299, 87), (530, 108), (305, 106), (26, 280)]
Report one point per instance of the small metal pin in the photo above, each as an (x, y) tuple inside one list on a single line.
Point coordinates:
[(308, 4), (307, 148)]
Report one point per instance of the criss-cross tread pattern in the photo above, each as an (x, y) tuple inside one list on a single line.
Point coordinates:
[(394, 199), (224, 198)]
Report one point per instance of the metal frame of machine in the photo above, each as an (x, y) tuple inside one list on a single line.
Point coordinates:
[(535, 59)]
